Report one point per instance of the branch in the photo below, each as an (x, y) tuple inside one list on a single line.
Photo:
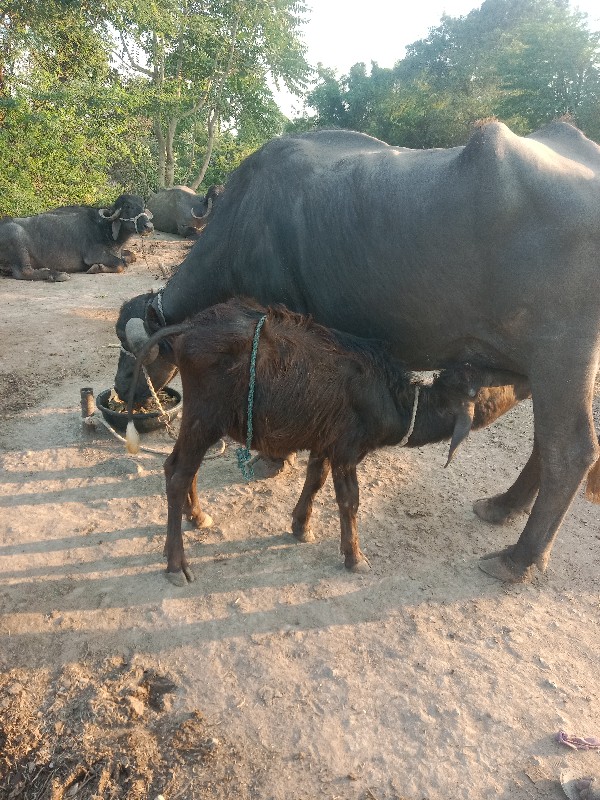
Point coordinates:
[(133, 64), (199, 105)]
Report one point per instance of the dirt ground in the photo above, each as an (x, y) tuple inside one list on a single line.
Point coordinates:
[(276, 675)]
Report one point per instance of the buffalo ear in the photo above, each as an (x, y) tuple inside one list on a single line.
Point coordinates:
[(462, 428), (116, 227)]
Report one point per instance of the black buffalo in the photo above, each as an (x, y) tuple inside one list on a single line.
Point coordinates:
[(180, 210), (487, 253), (72, 239)]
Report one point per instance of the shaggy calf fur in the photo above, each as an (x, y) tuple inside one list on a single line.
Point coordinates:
[(336, 395)]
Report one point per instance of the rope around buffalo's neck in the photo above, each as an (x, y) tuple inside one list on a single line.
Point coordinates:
[(411, 427), (243, 453)]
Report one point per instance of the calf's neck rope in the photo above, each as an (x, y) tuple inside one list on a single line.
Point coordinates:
[(244, 456)]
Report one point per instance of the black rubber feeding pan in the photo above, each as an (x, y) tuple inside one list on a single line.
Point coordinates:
[(144, 423)]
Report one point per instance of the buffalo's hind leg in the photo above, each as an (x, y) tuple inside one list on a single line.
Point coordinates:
[(346, 494), (316, 475), (503, 508), (567, 447)]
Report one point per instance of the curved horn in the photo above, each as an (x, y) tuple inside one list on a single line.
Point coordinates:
[(105, 213), (462, 428), (209, 203), (137, 336)]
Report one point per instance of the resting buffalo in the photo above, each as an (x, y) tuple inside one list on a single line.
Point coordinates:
[(180, 210), (487, 253), (72, 239)]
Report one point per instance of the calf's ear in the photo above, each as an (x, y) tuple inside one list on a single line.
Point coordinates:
[(462, 428)]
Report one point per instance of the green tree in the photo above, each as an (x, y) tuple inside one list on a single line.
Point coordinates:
[(207, 63), (523, 61), (66, 122)]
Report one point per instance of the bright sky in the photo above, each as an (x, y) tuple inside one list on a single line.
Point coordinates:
[(340, 33)]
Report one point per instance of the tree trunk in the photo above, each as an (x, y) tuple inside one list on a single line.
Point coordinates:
[(212, 120), (160, 141)]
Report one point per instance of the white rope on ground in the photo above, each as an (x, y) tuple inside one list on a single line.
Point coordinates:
[(94, 418)]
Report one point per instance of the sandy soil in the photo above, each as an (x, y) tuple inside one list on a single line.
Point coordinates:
[(276, 674)]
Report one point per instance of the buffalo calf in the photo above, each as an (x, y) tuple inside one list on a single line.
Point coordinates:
[(336, 395)]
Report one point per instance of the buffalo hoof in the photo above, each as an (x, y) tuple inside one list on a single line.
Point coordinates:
[(182, 577), (265, 467), (491, 509), (303, 535), (59, 277), (503, 568), (128, 256)]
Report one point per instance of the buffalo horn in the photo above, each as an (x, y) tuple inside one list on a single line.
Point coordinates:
[(209, 203), (462, 428), (105, 213), (137, 336)]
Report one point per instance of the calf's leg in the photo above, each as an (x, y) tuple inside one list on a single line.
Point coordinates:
[(180, 471), (316, 475), (567, 447), (346, 494)]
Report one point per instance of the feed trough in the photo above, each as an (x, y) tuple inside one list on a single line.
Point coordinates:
[(144, 421)]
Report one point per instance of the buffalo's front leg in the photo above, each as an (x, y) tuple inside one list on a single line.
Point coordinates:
[(180, 471), (346, 494), (503, 508), (316, 475), (101, 259), (567, 447)]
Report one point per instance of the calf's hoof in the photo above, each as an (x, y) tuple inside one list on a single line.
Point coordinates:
[(503, 568), (303, 534), (491, 509), (201, 520), (362, 566), (181, 577)]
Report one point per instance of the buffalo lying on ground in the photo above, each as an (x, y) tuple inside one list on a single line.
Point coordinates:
[(180, 210), (315, 389), (72, 239), (487, 254)]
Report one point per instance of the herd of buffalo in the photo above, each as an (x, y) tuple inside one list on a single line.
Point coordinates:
[(330, 266)]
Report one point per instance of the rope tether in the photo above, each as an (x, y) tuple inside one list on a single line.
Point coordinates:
[(244, 456)]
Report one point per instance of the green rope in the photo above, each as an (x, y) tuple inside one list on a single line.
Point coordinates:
[(243, 453)]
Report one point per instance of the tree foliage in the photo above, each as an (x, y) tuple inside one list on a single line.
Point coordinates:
[(523, 61), (100, 97)]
